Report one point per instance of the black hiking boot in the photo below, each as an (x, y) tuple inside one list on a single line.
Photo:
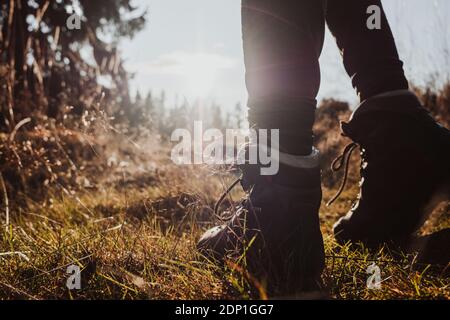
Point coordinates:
[(405, 168), (276, 227)]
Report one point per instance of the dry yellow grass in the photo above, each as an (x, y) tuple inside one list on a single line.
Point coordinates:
[(132, 219), (134, 235)]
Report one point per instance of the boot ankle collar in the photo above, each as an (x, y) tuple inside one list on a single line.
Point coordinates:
[(371, 111), (400, 101), (310, 161)]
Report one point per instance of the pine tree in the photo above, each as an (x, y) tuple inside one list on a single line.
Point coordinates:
[(42, 52), (238, 115)]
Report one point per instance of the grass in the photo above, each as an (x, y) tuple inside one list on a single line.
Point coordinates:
[(134, 234)]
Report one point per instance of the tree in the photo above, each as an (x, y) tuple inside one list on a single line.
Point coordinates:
[(216, 117), (39, 54), (238, 115)]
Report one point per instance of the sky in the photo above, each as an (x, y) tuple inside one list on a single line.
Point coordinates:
[(193, 49)]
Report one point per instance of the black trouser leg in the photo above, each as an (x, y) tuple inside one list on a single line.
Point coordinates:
[(370, 56), (282, 43), (283, 40)]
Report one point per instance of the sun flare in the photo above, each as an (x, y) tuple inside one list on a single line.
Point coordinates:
[(200, 76), (201, 71)]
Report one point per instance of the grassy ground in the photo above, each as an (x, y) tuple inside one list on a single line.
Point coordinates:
[(134, 235)]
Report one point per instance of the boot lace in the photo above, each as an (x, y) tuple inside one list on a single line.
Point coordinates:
[(338, 163), (222, 198)]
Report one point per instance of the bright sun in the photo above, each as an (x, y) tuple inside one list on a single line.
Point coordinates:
[(200, 71), (200, 76)]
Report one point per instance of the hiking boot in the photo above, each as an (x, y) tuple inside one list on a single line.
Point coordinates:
[(405, 166), (276, 228)]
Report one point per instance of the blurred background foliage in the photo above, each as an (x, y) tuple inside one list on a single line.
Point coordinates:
[(64, 96)]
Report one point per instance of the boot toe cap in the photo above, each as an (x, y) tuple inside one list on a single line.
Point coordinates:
[(211, 241)]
